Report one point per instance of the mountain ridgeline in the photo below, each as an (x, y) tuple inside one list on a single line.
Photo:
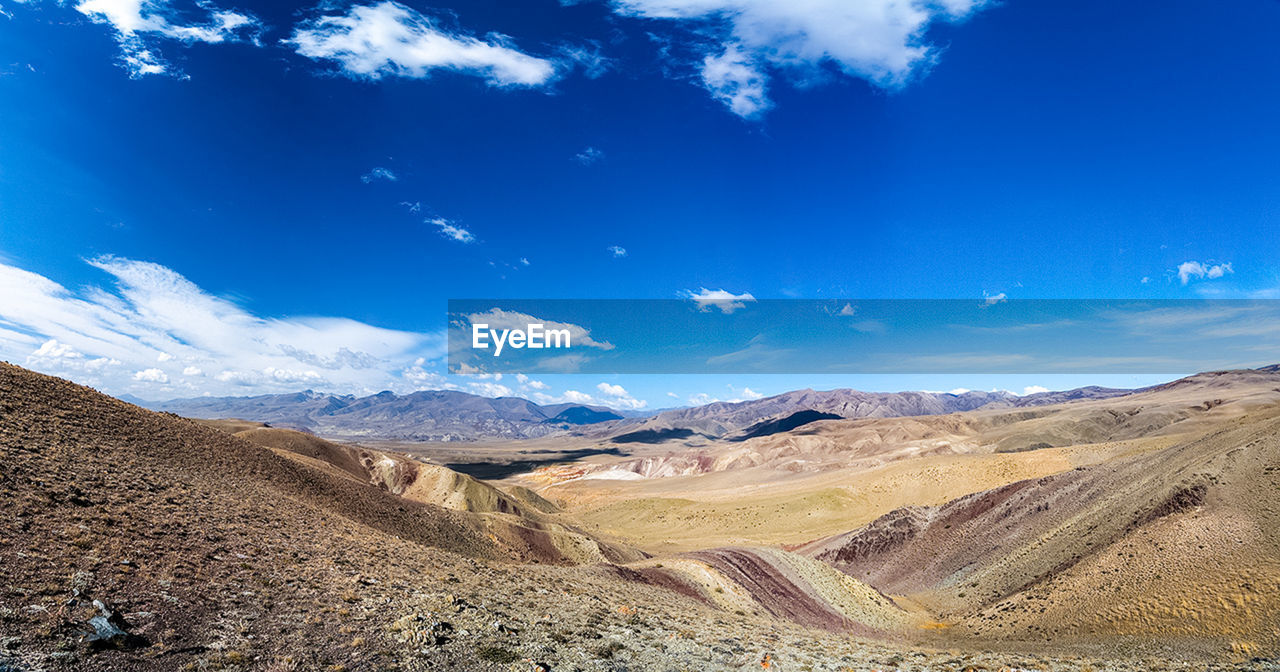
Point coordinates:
[(432, 415), (787, 411), (445, 415)]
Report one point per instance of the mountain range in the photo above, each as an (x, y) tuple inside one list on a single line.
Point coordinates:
[(749, 418), (433, 415), (445, 415)]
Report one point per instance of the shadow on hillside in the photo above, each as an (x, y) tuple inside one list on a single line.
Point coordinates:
[(500, 470)]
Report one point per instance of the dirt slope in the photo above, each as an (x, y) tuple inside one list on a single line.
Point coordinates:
[(1180, 544), (188, 549), (141, 508), (182, 547), (505, 518), (397, 474)]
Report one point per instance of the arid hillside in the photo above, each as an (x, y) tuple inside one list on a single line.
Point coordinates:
[(830, 476), (141, 540), (1180, 544)]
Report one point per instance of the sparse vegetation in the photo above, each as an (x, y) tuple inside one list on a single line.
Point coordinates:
[(497, 654), (608, 650)]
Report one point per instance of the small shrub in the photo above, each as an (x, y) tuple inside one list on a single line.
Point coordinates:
[(497, 654)]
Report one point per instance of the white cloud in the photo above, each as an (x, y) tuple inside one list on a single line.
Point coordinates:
[(486, 389), (139, 23), (736, 396), (380, 173), (151, 376), (735, 79), (1033, 389), (619, 397), (388, 38), (615, 397), (702, 399), (589, 156), (524, 261), (452, 231), (960, 390), (52, 348), (727, 302), (103, 336), (612, 390), (993, 299), (1188, 270), (880, 41), (526, 381), (58, 358), (294, 376), (617, 251)]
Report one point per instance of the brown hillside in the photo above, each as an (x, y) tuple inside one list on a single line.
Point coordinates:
[(1180, 544)]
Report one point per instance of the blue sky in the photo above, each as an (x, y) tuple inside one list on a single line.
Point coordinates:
[(299, 182)]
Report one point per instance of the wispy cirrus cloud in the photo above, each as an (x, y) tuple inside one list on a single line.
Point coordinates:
[(452, 231), (379, 173), (392, 39), (758, 354), (153, 333), (588, 156), (883, 42), (140, 26), (588, 57)]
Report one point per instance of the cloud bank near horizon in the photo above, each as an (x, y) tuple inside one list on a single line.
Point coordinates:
[(155, 334)]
